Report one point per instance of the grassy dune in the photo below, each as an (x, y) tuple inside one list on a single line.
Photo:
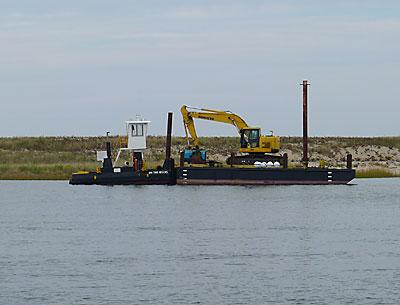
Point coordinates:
[(375, 173), (59, 157)]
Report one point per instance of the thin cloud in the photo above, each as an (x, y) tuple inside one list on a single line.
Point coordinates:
[(100, 44), (18, 20), (231, 10)]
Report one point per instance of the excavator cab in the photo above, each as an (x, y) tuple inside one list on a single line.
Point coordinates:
[(250, 138), (252, 142)]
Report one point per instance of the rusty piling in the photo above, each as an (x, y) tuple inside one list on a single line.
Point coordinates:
[(305, 123)]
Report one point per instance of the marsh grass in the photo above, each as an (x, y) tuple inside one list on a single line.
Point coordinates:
[(375, 173), (42, 171)]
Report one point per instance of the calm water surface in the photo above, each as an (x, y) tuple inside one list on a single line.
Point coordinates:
[(62, 244)]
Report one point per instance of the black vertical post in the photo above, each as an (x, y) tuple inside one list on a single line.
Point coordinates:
[(169, 133), (182, 159), (349, 161), (305, 123), (285, 161), (169, 163), (108, 148), (107, 162)]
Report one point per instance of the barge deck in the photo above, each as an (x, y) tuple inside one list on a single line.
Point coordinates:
[(263, 176)]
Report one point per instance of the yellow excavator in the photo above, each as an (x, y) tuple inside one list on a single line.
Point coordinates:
[(253, 146)]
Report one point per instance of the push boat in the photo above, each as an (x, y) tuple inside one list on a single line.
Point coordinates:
[(108, 174)]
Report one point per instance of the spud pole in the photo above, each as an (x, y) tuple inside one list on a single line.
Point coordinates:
[(305, 123)]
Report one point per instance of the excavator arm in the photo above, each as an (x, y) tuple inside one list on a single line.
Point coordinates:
[(253, 145), (211, 115)]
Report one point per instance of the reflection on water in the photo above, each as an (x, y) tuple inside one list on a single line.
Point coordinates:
[(64, 244)]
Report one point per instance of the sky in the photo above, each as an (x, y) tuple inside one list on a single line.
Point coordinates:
[(83, 67)]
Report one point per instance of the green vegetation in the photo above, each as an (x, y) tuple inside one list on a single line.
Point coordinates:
[(53, 158), (42, 171), (59, 157), (375, 173)]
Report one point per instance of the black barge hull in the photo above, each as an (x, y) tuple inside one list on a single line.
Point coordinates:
[(156, 177), (262, 176)]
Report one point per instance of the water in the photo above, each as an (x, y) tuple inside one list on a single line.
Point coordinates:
[(62, 244)]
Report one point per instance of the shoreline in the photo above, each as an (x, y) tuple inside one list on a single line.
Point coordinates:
[(56, 158)]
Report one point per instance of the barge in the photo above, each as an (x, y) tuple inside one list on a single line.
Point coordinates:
[(274, 172), (262, 176)]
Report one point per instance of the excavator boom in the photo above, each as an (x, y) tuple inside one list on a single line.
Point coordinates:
[(211, 115)]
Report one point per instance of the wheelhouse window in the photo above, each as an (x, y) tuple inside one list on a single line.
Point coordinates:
[(137, 130)]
